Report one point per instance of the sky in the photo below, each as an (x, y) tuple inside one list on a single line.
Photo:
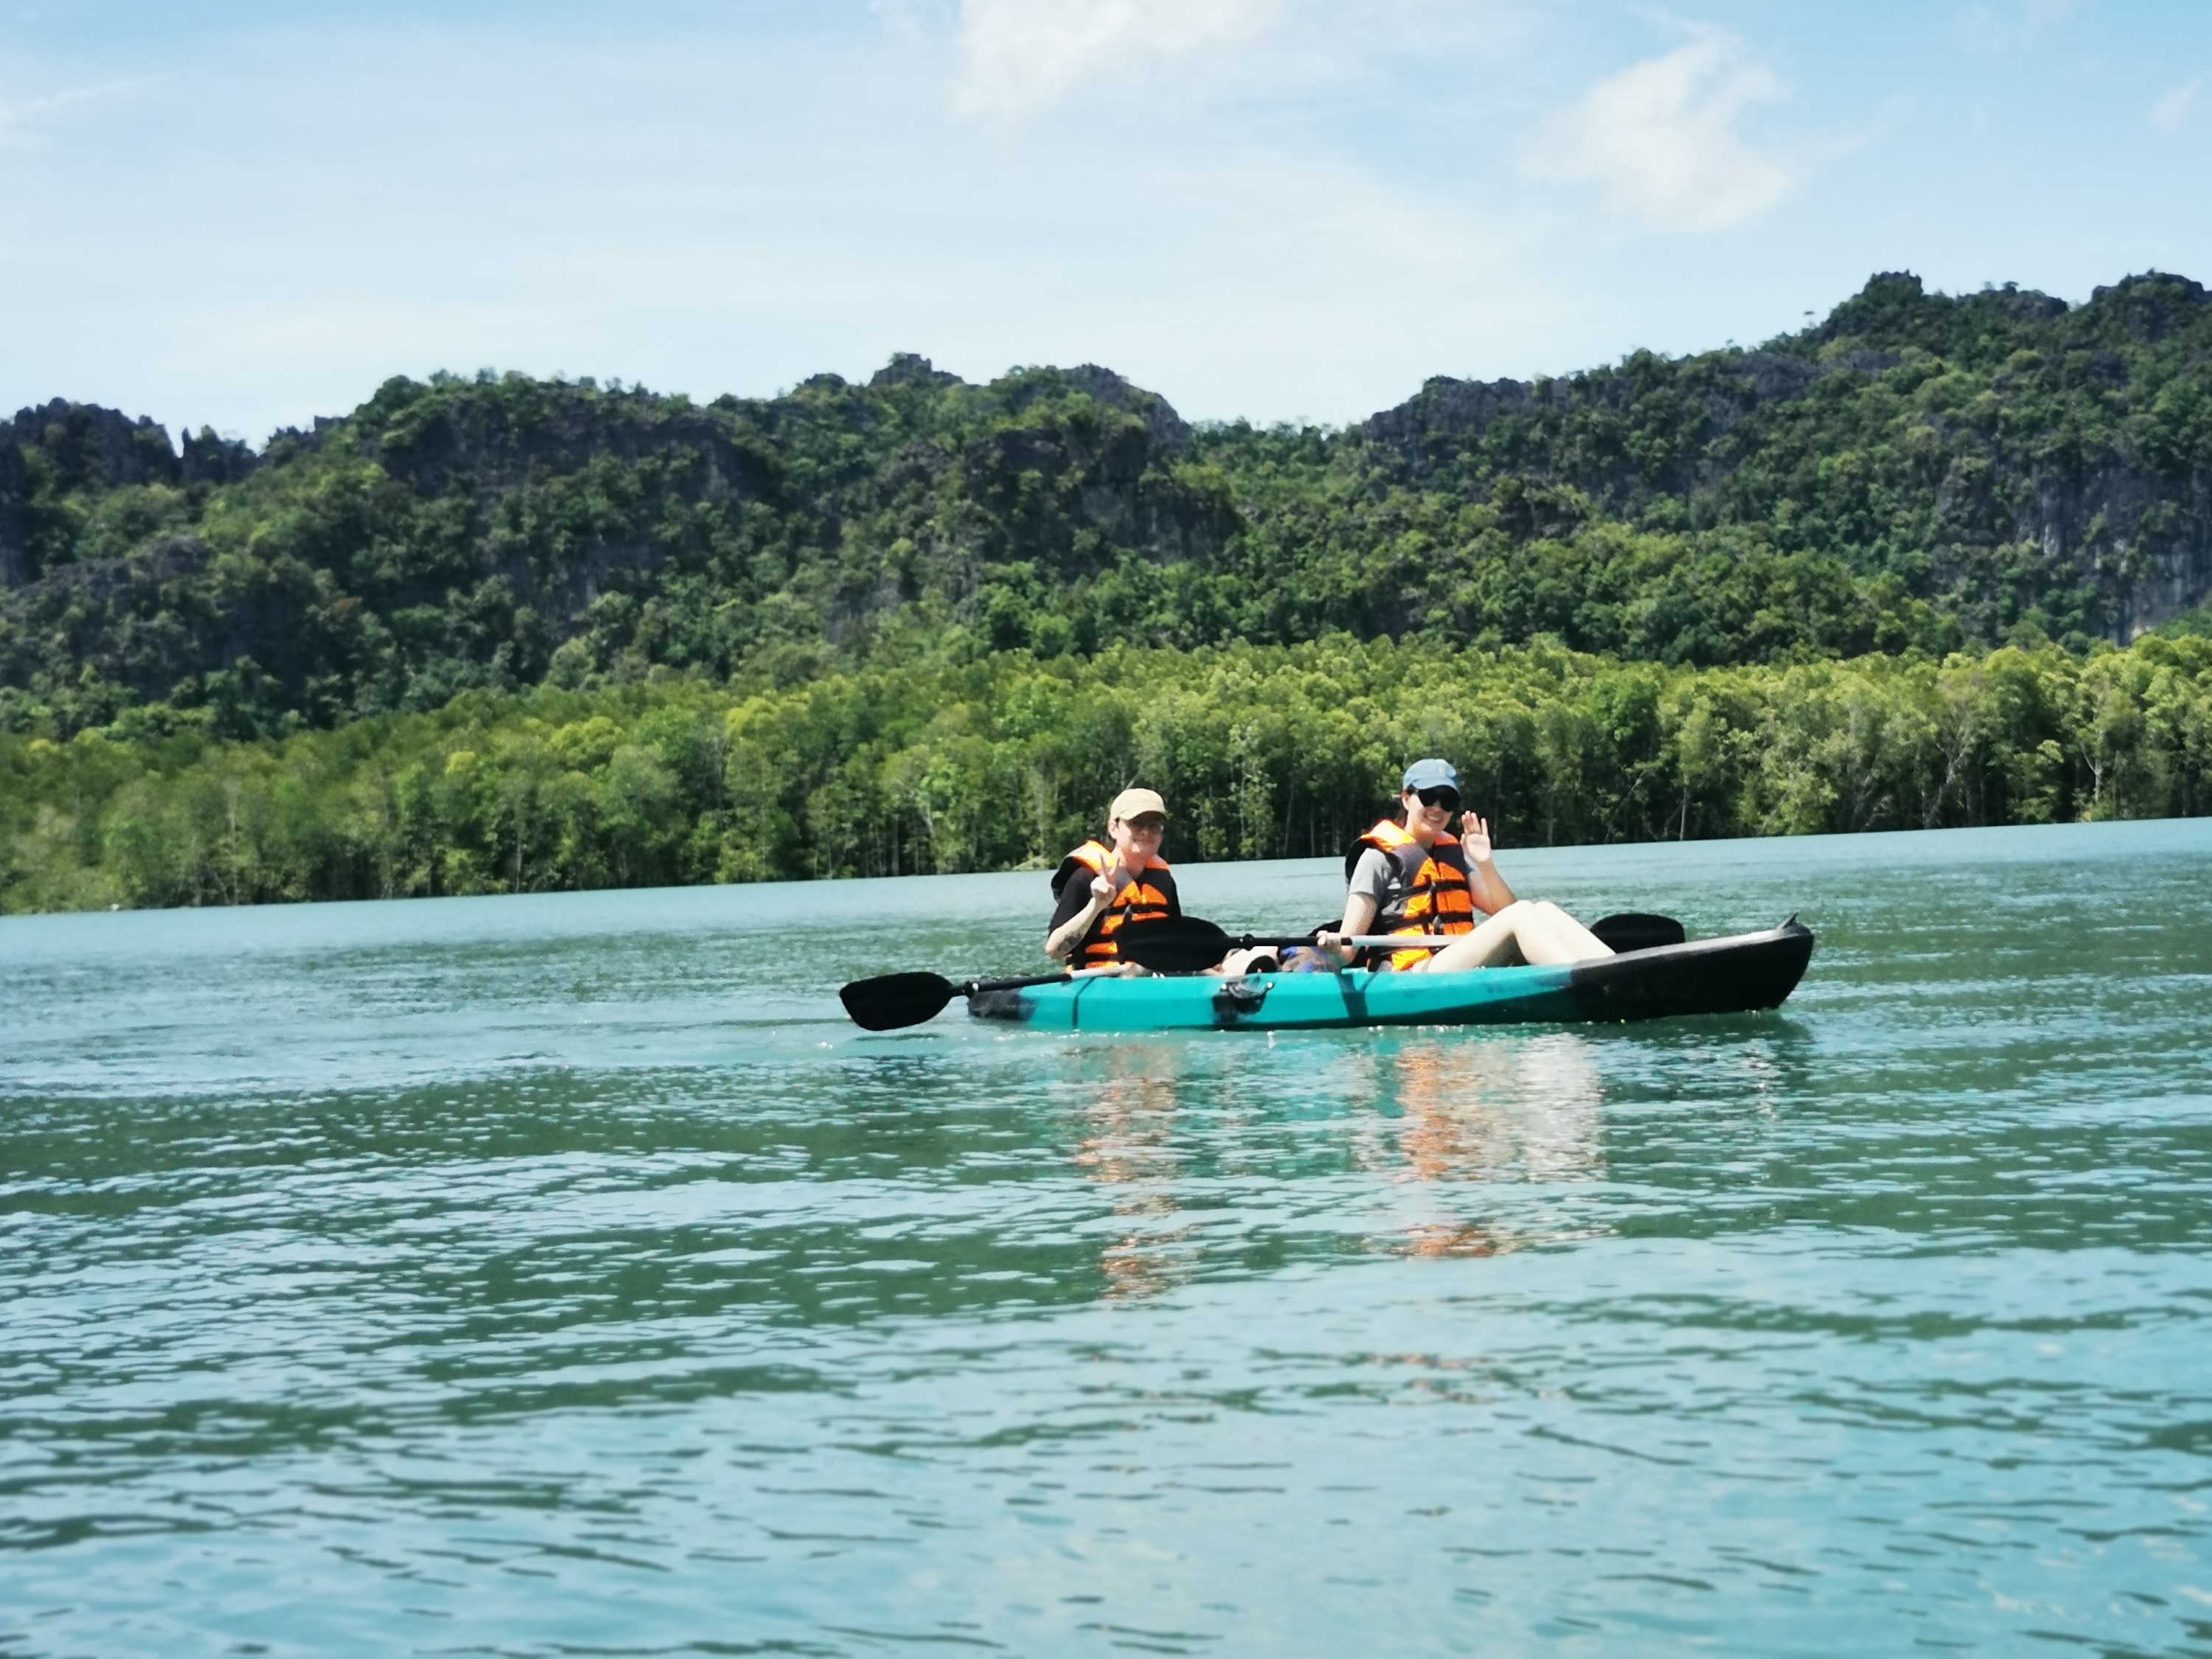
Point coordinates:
[(242, 213)]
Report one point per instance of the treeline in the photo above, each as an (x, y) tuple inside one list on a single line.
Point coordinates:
[(1005, 762), (1919, 472)]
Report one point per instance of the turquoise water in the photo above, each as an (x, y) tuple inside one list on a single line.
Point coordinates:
[(562, 1275)]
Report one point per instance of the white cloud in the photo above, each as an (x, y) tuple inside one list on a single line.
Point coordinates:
[(728, 206), (1659, 140), (19, 121), (1021, 54), (2012, 27), (2168, 113)]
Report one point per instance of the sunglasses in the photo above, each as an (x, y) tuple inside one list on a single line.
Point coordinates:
[(1447, 799), (1148, 824)]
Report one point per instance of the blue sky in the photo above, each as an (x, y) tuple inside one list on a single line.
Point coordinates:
[(245, 214)]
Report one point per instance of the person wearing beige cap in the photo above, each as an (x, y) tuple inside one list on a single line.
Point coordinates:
[(1101, 886)]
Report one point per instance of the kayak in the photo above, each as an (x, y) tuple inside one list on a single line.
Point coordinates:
[(1703, 977)]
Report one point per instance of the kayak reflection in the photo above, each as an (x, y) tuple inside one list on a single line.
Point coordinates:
[(1130, 1146), (1448, 1120), (1454, 1115)]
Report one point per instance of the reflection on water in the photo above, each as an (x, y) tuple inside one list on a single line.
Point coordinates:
[(1129, 1147), (563, 1275), (1473, 1108), (1442, 1119)]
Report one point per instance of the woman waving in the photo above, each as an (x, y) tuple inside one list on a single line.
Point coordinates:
[(1410, 875)]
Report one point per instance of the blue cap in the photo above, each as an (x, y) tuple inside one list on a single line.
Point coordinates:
[(1430, 774)]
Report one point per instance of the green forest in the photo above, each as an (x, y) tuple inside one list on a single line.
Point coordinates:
[(1934, 559), (1262, 752)]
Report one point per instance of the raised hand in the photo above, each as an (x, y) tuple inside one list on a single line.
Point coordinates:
[(1474, 837), (1109, 882)]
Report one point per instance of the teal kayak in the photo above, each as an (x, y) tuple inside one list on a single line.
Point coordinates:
[(1703, 977)]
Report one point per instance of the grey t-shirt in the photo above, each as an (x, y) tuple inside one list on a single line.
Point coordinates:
[(1373, 875)]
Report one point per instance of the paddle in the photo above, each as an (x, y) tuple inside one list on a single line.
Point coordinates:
[(892, 1000), (1191, 944)]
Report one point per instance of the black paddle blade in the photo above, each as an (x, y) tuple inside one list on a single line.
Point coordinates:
[(1176, 945), (885, 1004), (1631, 931)]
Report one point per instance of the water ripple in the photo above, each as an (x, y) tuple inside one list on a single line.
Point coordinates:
[(562, 1276)]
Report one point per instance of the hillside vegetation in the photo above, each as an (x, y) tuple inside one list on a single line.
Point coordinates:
[(502, 633), (1919, 472)]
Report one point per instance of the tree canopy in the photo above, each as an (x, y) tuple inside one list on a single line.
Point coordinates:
[(1918, 473), (500, 634), (1009, 760)]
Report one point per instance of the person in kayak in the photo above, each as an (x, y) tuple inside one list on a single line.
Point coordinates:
[(1409, 875), (1102, 886)]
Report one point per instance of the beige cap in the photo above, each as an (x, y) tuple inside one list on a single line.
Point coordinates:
[(1132, 803)]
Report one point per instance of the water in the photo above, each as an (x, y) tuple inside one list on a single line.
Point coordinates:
[(562, 1275)]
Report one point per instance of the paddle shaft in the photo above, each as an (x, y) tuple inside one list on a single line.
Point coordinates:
[(1359, 941), (974, 986)]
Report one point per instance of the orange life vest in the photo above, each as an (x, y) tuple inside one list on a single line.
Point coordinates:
[(1150, 897), (1429, 891)]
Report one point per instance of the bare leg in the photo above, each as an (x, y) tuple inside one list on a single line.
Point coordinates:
[(1491, 945), (1525, 931), (1564, 938)]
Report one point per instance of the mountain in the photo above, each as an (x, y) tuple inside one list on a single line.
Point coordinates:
[(2001, 453), (1917, 473)]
